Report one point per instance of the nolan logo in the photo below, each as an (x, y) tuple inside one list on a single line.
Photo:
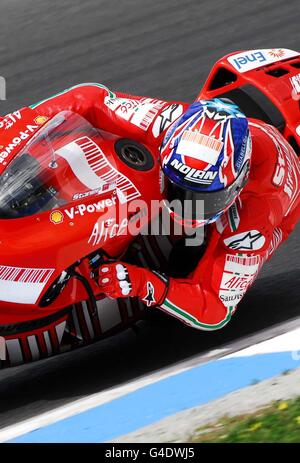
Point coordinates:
[(194, 175)]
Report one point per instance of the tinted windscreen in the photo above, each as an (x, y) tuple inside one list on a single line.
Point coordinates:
[(60, 164)]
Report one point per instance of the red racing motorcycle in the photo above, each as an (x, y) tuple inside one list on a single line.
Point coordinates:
[(70, 198)]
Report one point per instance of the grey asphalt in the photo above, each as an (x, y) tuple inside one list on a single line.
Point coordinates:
[(158, 48)]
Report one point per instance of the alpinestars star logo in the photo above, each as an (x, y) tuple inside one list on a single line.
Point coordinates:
[(149, 298), (249, 241), (166, 118)]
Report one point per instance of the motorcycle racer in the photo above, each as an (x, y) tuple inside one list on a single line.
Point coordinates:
[(244, 171)]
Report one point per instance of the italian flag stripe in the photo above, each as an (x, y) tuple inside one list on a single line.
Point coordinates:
[(168, 306)]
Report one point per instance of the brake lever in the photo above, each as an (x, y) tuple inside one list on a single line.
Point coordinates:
[(95, 261)]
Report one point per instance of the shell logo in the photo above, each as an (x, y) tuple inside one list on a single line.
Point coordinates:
[(56, 217), (40, 120)]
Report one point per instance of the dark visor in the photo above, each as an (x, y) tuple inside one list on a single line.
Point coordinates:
[(208, 203)]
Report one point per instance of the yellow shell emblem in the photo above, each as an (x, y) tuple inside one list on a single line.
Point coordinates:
[(40, 120), (56, 217)]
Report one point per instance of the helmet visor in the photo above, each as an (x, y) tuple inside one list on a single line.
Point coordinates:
[(205, 205)]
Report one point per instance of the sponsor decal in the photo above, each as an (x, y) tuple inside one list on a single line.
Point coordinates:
[(247, 241), (138, 112), (194, 175), (277, 53), (230, 300), (56, 217), (280, 168), (253, 59), (236, 282), (23, 285), (287, 170), (82, 209), (239, 273), (244, 153), (15, 142), (279, 174), (107, 229), (123, 107), (166, 118), (40, 120), (86, 194), (10, 119), (93, 169), (199, 146), (145, 115), (149, 298)]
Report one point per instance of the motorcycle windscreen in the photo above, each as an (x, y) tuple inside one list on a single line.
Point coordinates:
[(62, 163)]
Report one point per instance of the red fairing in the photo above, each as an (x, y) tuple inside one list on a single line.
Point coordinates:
[(115, 111), (237, 245), (253, 74), (51, 241)]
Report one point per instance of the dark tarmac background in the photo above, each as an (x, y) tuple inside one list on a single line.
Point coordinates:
[(158, 48)]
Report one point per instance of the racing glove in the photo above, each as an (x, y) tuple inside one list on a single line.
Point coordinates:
[(120, 279)]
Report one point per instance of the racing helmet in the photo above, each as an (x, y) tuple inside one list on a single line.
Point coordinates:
[(205, 160)]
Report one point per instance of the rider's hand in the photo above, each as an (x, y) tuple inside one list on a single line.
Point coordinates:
[(120, 279)]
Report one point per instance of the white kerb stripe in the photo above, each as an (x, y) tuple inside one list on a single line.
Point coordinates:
[(103, 397), (287, 342)]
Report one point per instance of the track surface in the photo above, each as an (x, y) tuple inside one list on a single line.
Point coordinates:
[(163, 49)]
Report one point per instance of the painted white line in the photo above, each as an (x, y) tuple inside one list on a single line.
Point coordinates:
[(288, 342), (97, 399)]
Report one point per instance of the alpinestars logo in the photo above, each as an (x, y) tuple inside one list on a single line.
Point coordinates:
[(149, 298), (166, 118), (194, 175), (248, 241)]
